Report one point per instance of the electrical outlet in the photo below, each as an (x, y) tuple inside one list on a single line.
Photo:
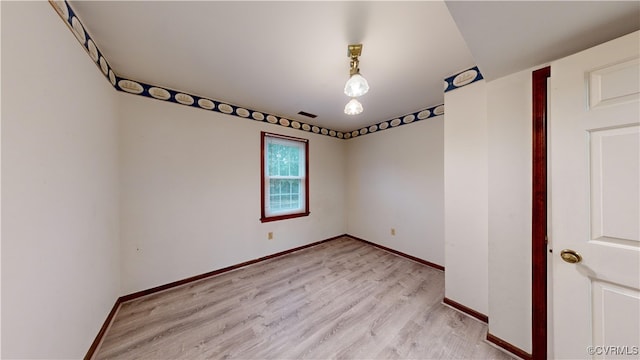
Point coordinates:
[(393, 231), (270, 235)]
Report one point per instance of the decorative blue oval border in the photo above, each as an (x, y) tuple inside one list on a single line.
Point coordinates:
[(399, 121), (74, 24), (187, 99), (66, 12), (462, 78)]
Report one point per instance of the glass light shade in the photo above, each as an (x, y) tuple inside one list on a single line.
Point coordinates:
[(353, 107), (356, 86)]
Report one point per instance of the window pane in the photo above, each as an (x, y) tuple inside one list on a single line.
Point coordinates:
[(284, 165), (284, 195), (294, 164), (274, 202), (271, 159), (284, 160)]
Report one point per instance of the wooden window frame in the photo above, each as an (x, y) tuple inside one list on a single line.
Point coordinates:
[(263, 183)]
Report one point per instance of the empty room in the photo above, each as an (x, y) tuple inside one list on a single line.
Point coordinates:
[(320, 179)]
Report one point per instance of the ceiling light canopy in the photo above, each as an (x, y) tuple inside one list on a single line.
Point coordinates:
[(357, 85)]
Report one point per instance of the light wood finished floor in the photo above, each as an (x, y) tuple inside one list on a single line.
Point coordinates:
[(341, 299)]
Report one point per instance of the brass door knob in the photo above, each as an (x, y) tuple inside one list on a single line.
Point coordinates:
[(570, 256)]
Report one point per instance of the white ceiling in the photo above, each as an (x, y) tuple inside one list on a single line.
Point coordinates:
[(285, 57), (509, 36)]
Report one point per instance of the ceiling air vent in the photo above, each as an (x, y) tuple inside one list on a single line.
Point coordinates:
[(304, 113)]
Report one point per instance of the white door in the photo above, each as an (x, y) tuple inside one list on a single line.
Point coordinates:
[(594, 201)]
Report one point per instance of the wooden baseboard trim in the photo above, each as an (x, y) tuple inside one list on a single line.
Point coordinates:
[(467, 310), (103, 330), (508, 347), (400, 253), (156, 289)]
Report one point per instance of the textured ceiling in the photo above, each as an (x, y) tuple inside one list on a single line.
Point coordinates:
[(285, 57)]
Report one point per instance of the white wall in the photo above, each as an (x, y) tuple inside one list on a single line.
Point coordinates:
[(488, 203), (60, 270), (466, 196), (190, 185), (395, 180), (510, 130)]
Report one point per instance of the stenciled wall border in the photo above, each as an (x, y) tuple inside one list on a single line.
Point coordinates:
[(75, 25), (399, 121), (462, 78), (187, 99), (66, 12)]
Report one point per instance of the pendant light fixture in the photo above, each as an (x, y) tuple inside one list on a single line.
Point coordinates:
[(353, 107), (357, 85)]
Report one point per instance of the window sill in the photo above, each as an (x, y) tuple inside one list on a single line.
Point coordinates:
[(283, 217)]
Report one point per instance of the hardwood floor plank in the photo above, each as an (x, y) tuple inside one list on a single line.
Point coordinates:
[(341, 299)]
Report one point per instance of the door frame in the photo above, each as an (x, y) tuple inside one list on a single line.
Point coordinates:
[(539, 213)]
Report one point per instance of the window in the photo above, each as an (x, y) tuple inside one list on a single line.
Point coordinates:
[(284, 164)]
